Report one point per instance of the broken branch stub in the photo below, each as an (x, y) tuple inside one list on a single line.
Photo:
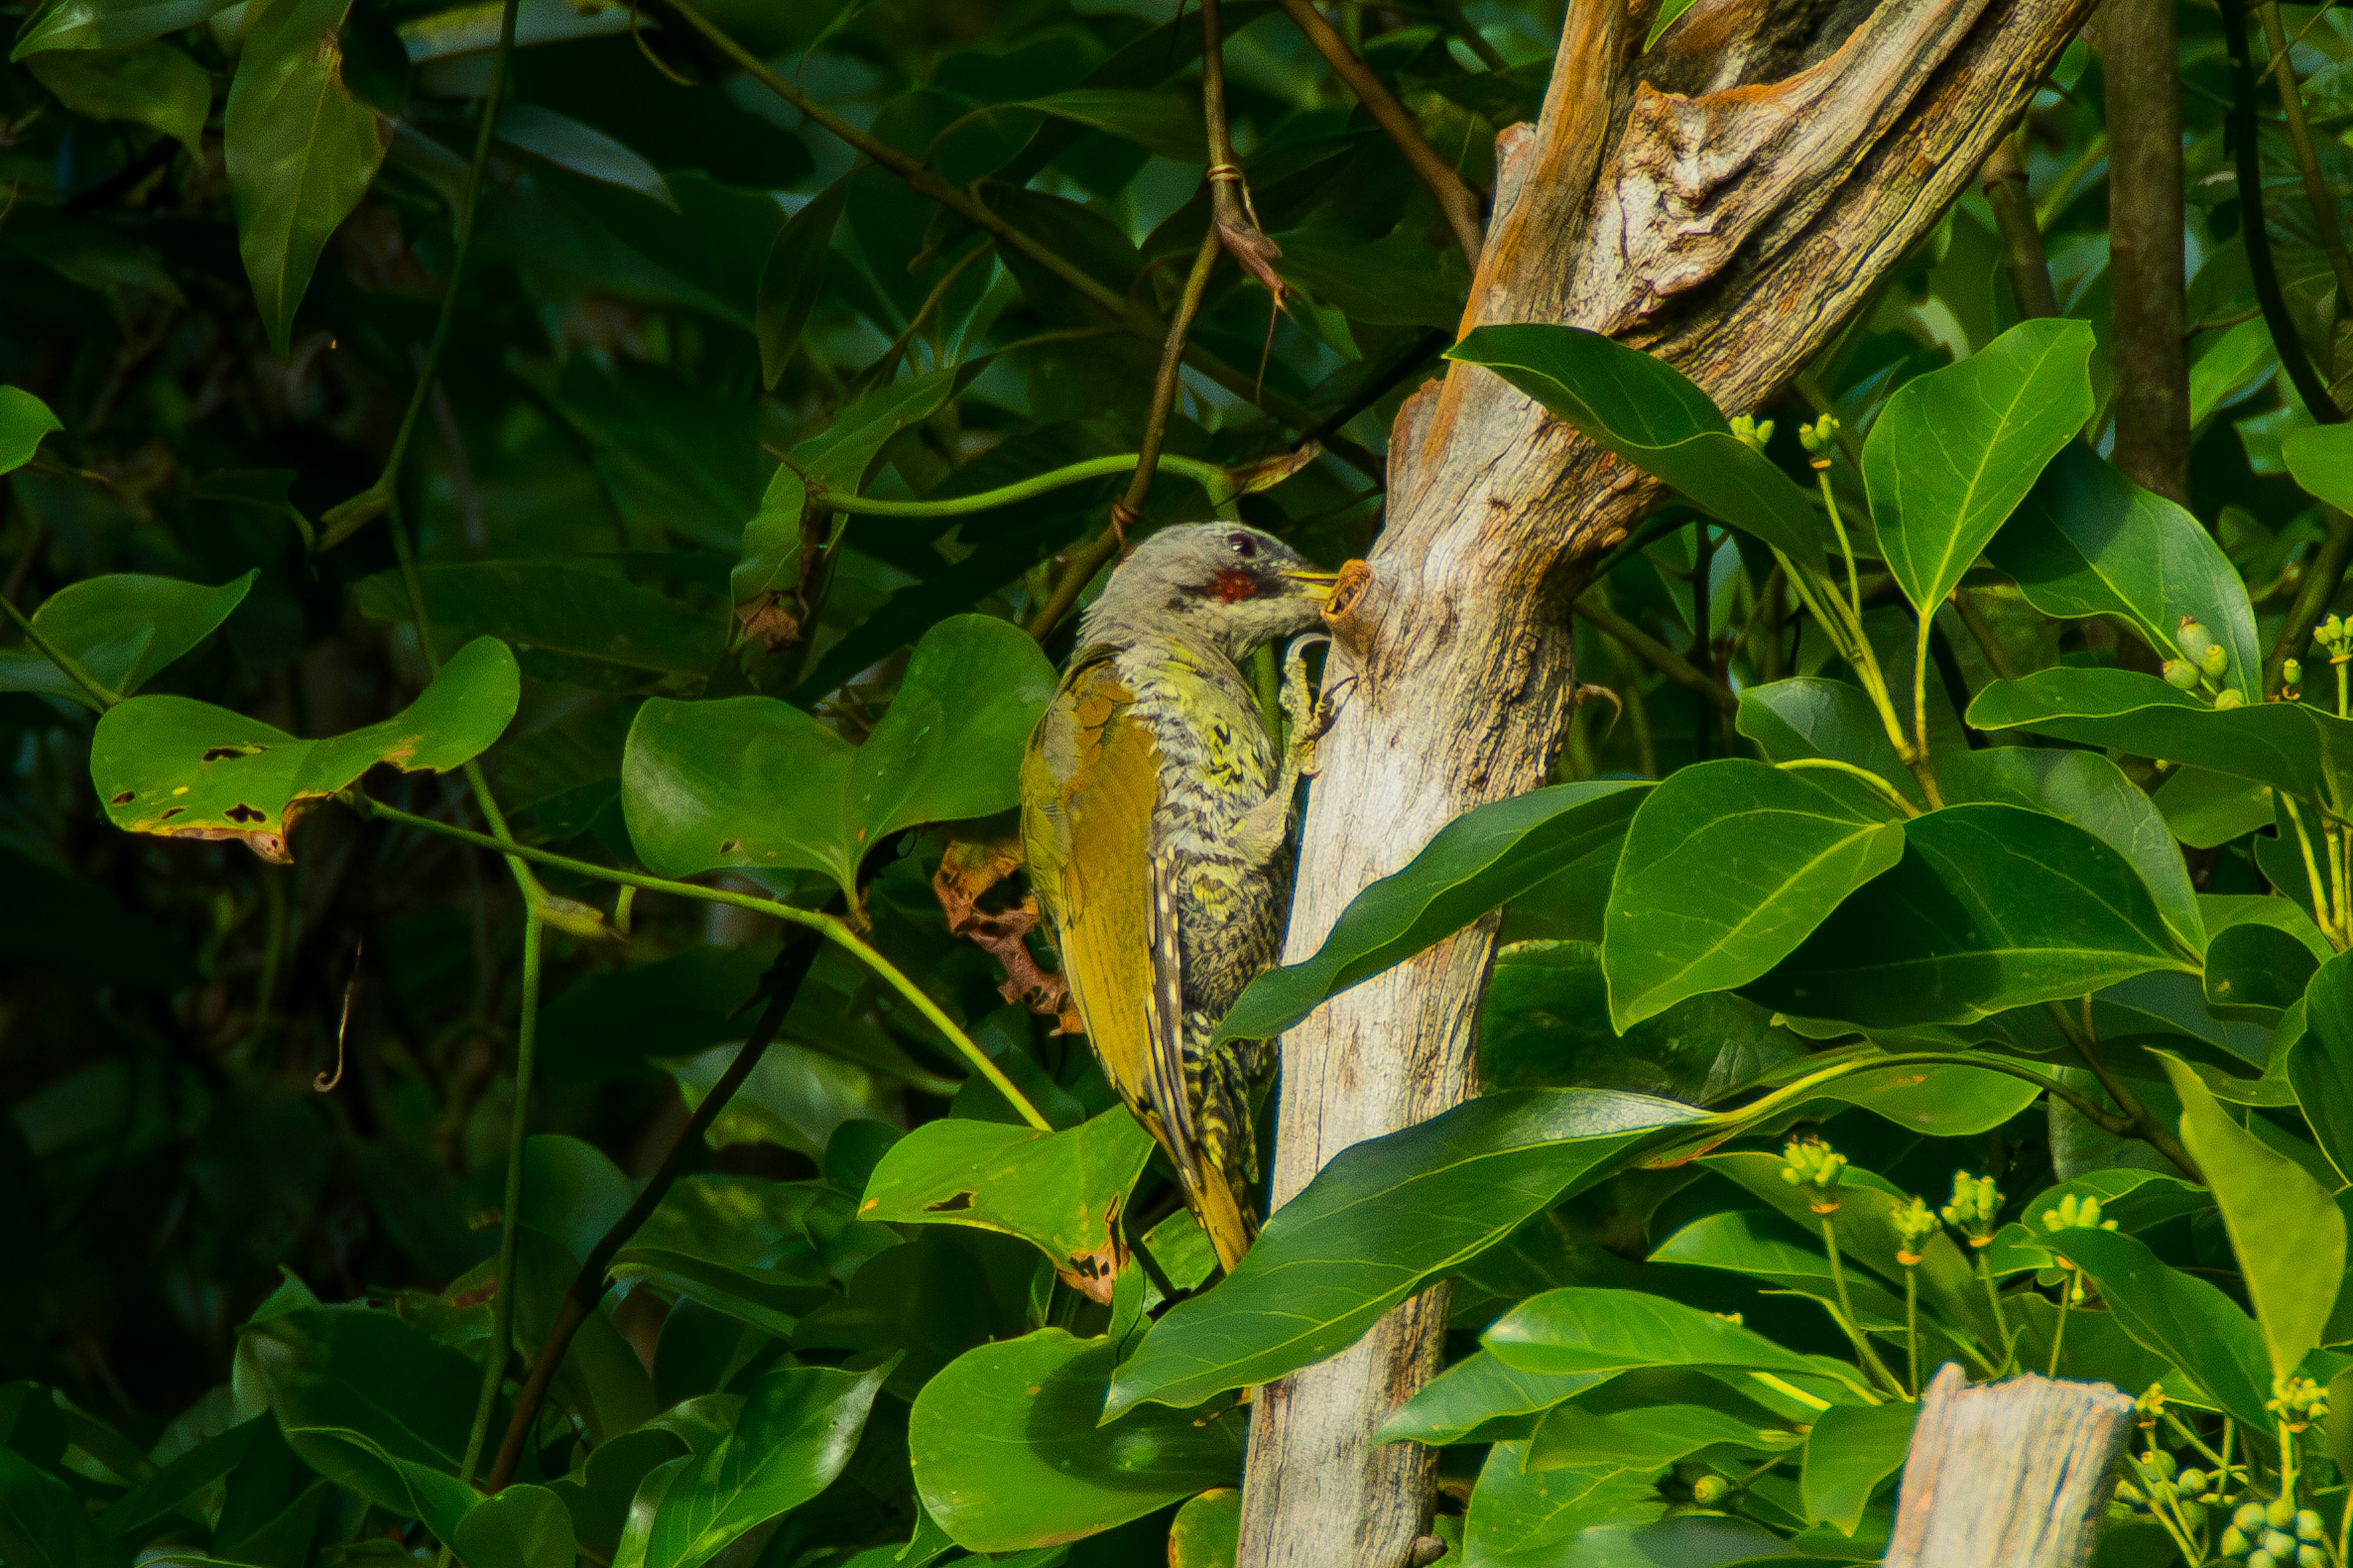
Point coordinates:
[(1725, 201)]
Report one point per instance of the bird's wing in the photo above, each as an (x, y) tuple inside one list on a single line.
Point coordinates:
[(1091, 782), (1165, 1022)]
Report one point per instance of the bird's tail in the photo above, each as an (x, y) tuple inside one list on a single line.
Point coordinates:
[(1224, 1213)]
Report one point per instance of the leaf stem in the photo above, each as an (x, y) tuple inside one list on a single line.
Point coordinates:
[(1726, 1123), (502, 1301), (1214, 481), (1670, 663), (833, 928), (348, 518), (1893, 797), (1912, 1324), (2059, 1335), (2001, 1319), (1838, 527), (2320, 906), (1847, 1320), (103, 696)]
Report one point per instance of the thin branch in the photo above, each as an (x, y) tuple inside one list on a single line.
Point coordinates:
[(503, 1300), (1218, 484), (348, 518), (2137, 1119), (1232, 218), (1670, 663), (831, 927), (2261, 269), (2021, 237), (2307, 159), (1132, 314), (1456, 200), (783, 983), (2141, 52)]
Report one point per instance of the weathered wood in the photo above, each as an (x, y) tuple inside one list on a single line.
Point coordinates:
[(1726, 200), (2015, 1474)]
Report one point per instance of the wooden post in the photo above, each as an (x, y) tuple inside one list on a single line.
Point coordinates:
[(2015, 1474)]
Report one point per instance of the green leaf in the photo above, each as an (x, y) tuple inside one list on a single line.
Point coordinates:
[(568, 623), (1480, 1400), (835, 459), (1956, 450), (791, 284), (2292, 746), (1162, 121), (1649, 413), (752, 781), (1383, 1219), (371, 1403), (2285, 1229), (182, 1478), (1727, 867), (184, 768), (1522, 1517), (522, 1527), (149, 84), (1587, 1328), (2320, 1060), (1646, 1420), (302, 151), (2207, 810), (2088, 790), (1991, 908), (2182, 1318), (42, 1523), (584, 150), (110, 24), (23, 420), (1008, 1454), (1063, 1191), (2319, 458), (1851, 1450), (2256, 971), (1483, 857), (2089, 542), (797, 1430), (121, 628), (1742, 1241), (1206, 1532), (1807, 716)]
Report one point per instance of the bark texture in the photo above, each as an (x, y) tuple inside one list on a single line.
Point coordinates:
[(2017, 1473), (2140, 56), (1725, 200)]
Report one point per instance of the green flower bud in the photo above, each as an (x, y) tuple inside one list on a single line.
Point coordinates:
[(2249, 1519), (1820, 437), (2082, 1213), (2310, 1556), (2225, 699), (1810, 1163), (2155, 1459), (2279, 1544), (1710, 1491), (2130, 1493), (1752, 432), (2292, 672), (2180, 674), (1975, 1207), (2193, 1514), (2215, 661), (2310, 1526), (2193, 641), (2233, 1543), (2299, 1401), (2279, 1513), (1916, 1222), (2191, 1482), (2259, 1558)]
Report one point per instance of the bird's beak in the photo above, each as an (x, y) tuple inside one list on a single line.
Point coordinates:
[(1318, 584)]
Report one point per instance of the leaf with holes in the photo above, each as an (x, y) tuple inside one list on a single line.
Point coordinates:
[(184, 768)]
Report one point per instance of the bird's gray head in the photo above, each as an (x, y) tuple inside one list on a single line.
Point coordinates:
[(1217, 585)]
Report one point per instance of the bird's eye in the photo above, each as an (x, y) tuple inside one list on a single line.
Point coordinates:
[(1242, 544)]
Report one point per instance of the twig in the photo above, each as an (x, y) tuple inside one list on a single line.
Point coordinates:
[(2021, 237), (348, 518), (494, 1365), (783, 983), (1232, 218), (1133, 315), (2261, 269), (1090, 558), (831, 927), (1669, 663), (1455, 199), (2322, 578), (2137, 1120), (2315, 185)]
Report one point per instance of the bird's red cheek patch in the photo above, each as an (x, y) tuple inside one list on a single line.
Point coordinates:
[(1234, 584)]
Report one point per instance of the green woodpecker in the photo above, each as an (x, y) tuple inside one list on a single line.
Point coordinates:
[(1154, 810)]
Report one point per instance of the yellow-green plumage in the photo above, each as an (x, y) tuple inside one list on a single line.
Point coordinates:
[(1154, 808)]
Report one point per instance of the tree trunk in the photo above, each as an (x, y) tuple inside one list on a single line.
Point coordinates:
[(2017, 1473), (2140, 56), (1725, 201)]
